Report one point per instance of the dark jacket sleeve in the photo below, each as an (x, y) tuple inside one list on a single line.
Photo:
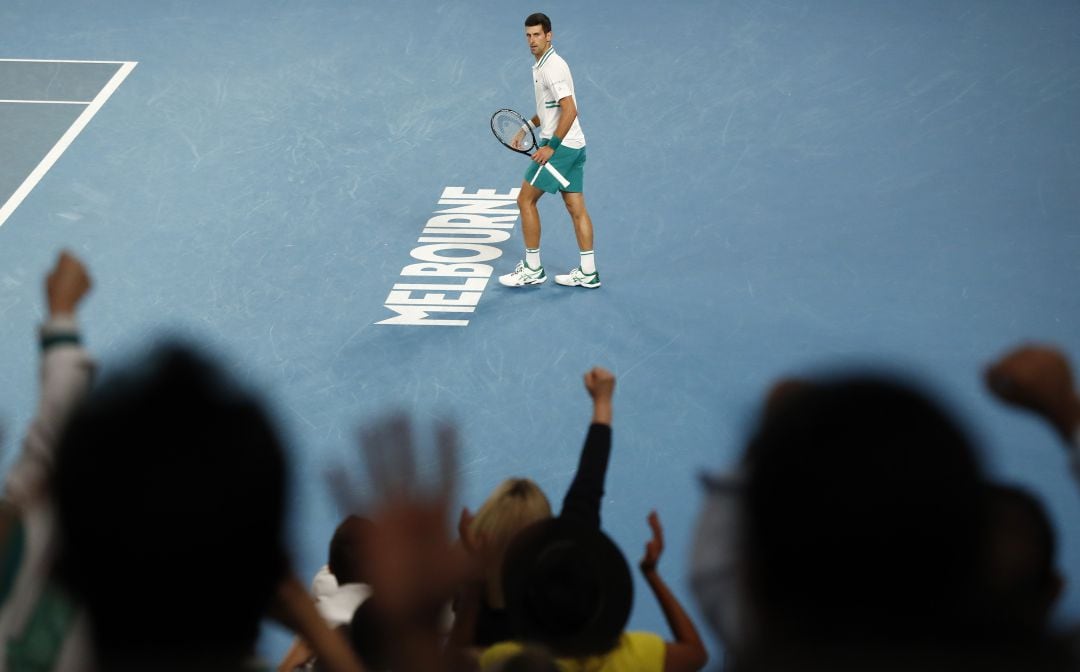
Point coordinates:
[(582, 501)]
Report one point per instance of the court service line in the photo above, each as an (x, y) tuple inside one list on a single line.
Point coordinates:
[(43, 60), (65, 140), (48, 102)]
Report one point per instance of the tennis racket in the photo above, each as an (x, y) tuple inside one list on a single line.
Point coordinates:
[(512, 130)]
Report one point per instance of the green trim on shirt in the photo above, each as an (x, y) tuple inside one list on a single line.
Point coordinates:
[(545, 57)]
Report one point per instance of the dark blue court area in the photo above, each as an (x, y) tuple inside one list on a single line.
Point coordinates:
[(777, 188)]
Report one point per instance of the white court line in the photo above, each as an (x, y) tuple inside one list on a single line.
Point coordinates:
[(48, 102), (42, 60), (65, 140)]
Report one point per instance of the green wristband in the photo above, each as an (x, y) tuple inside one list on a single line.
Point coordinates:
[(59, 339), (555, 142)]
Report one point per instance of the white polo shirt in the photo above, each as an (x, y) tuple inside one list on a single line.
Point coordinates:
[(552, 82)]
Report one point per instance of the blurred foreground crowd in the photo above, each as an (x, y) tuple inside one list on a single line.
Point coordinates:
[(142, 528)]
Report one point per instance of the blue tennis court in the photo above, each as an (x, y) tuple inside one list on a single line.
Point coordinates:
[(776, 188)]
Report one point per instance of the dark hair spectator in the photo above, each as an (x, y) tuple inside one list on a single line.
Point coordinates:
[(568, 588), (167, 470), (339, 587), (1023, 583), (84, 482), (1037, 378), (346, 557), (864, 511), (368, 634)]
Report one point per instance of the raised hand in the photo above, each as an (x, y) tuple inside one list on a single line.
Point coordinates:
[(600, 384), (412, 560), (1037, 378), (66, 284), (654, 548)]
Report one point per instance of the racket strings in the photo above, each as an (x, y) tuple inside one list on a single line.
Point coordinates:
[(512, 130)]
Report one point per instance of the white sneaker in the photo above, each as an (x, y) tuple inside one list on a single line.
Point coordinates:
[(576, 278), (523, 275)]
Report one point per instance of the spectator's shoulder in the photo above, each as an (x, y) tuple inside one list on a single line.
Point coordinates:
[(642, 651), (498, 653), (324, 583)]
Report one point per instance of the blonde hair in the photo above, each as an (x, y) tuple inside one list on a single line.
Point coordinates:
[(514, 505)]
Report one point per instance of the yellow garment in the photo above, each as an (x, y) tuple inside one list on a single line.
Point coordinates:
[(636, 652)]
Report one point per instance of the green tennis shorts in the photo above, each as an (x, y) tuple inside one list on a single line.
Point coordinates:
[(570, 162)]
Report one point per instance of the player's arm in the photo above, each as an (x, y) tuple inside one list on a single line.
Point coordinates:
[(567, 115)]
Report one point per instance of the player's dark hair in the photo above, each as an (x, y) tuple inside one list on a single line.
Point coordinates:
[(170, 481), (539, 19)]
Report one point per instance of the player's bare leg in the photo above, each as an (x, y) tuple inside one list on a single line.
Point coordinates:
[(584, 275), (529, 271), (575, 205), (530, 215)]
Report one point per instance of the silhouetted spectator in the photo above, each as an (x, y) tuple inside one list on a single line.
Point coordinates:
[(569, 589), (1023, 583), (40, 627), (1038, 378), (481, 617), (415, 569), (715, 556), (339, 587), (862, 536), (368, 633), (530, 659), (166, 471)]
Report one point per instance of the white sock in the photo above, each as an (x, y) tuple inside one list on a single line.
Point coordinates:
[(532, 258), (588, 263)]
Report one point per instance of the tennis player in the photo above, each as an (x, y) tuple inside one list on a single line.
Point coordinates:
[(563, 144)]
